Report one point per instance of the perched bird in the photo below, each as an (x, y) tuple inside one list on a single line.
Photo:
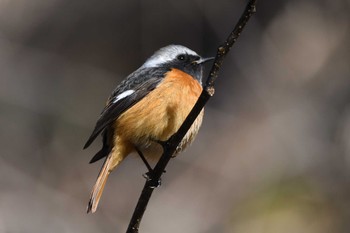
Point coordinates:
[(147, 107)]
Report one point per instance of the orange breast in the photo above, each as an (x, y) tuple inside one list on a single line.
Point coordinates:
[(160, 114)]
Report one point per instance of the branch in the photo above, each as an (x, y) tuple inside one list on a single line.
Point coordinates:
[(171, 144)]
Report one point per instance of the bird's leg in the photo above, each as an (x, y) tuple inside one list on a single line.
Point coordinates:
[(164, 144), (148, 175), (150, 170)]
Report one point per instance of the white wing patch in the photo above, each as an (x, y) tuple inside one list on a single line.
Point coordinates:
[(123, 95)]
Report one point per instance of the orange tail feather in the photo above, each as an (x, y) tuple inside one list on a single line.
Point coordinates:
[(99, 185)]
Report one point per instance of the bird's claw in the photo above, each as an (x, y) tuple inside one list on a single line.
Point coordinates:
[(154, 183)]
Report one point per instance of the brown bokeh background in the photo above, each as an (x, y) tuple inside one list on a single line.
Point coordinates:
[(273, 154)]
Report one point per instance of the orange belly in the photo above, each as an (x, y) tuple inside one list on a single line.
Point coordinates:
[(159, 115)]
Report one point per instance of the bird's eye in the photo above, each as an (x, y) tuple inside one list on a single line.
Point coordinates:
[(181, 57)]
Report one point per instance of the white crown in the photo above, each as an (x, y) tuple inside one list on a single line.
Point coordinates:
[(167, 54)]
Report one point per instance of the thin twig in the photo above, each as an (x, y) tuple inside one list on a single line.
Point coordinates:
[(171, 144)]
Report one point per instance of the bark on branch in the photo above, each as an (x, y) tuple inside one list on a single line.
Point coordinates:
[(170, 145)]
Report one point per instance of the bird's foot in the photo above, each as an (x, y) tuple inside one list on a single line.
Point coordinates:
[(154, 183)]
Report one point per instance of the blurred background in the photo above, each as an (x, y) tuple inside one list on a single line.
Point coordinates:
[(273, 154)]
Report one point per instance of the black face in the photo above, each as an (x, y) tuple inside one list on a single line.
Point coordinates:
[(188, 64)]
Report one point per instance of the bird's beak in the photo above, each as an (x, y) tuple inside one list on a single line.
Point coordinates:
[(204, 60)]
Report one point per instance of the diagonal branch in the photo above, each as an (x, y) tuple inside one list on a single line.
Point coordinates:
[(171, 144)]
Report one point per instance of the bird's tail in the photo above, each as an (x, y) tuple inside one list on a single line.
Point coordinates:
[(100, 183)]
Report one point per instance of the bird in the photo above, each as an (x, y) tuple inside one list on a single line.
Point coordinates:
[(146, 108)]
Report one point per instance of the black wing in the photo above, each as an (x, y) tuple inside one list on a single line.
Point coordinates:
[(107, 139), (141, 82)]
